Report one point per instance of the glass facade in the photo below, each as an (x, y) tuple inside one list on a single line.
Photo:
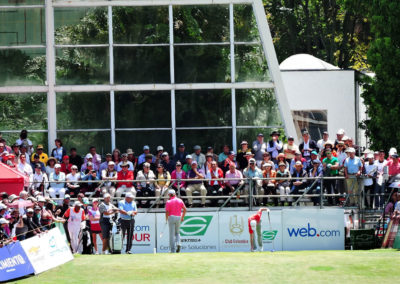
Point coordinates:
[(125, 76)]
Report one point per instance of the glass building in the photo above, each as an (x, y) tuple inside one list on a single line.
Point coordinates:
[(133, 72)]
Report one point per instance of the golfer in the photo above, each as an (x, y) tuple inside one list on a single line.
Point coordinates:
[(174, 216), (127, 210), (255, 226)]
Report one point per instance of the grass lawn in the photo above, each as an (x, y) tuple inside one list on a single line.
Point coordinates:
[(375, 266)]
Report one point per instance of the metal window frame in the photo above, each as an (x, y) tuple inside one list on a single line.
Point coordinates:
[(51, 88)]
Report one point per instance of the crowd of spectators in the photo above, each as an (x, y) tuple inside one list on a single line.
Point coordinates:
[(52, 181)]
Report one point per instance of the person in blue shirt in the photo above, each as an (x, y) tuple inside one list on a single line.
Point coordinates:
[(352, 170), (127, 209)]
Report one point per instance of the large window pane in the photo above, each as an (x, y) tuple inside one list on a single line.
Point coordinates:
[(35, 137), (202, 64), (137, 139), (22, 26), (207, 137), (140, 24), (23, 111), (257, 107), (250, 64), (203, 108), (201, 23), (245, 23), (250, 134), (19, 2), (143, 109), (21, 67), (83, 110), (78, 66), (83, 140), (140, 65), (315, 121), (81, 25)]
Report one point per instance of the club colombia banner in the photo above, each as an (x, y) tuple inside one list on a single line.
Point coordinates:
[(234, 230), (199, 232), (47, 251), (14, 262)]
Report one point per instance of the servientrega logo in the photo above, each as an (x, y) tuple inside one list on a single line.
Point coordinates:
[(269, 235), (195, 225)]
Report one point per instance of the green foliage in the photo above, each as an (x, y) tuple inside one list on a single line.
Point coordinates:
[(381, 96)]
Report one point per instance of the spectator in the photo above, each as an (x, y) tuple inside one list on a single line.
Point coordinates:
[(234, 179), (66, 165), (128, 210), (331, 166), (281, 158), (328, 146), (207, 165), (160, 151), (240, 157), (57, 182), (169, 165), (188, 166), (228, 161), (124, 160), (33, 228), (290, 149), (51, 162), (315, 185), (125, 187), (269, 184), (179, 174), (36, 161), (6, 147), (75, 216), (38, 180), (394, 165), (24, 140), (352, 170), (73, 178), (163, 181), (15, 150), (91, 176), (210, 150), (380, 164), (259, 147), (389, 209), (307, 146), (298, 182), (253, 174), (88, 161), (297, 158), (215, 187), (107, 210), (146, 183), (116, 156), (75, 159), (195, 186), (42, 156), (198, 156), (274, 146), (283, 184), (24, 167), (310, 163), (96, 158), (104, 165), (131, 157), (321, 142), (146, 151), (370, 172), (225, 152), (94, 218), (149, 160), (267, 159), (109, 175), (181, 154), (339, 137), (58, 152)]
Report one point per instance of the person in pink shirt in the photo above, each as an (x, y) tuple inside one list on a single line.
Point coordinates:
[(179, 174), (394, 165), (175, 211)]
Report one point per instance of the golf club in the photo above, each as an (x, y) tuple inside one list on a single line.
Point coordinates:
[(270, 228), (162, 231)]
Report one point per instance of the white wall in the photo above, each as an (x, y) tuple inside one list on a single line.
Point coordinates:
[(324, 90)]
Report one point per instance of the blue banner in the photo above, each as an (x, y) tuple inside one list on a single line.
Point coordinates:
[(13, 262)]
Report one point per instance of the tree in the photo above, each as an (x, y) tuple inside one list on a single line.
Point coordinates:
[(382, 96)]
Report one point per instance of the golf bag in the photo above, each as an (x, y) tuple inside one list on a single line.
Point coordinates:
[(85, 243), (116, 236)]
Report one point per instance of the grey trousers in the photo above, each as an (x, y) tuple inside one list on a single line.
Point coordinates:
[(174, 224), (259, 237)]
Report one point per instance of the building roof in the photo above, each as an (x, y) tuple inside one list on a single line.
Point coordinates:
[(306, 62)]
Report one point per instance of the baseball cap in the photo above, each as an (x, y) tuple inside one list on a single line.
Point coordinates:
[(244, 142), (249, 153), (148, 156), (29, 210), (178, 163), (146, 147), (38, 147), (260, 135), (316, 161), (124, 155), (298, 163), (252, 161), (74, 167), (89, 164), (41, 199), (85, 200), (111, 163), (67, 196), (197, 147), (232, 153), (108, 155), (305, 132), (171, 192), (3, 221), (267, 165), (160, 148), (340, 132), (314, 153), (395, 155), (325, 132), (282, 164), (89, 156), (146, 165), (181, 145), (66, 157), (189, 157), (129, 195), (106, 195), (164, 154), (371, 156), (290, 138), (38, 166), (194, 163), (351, 150), (77, 203), (57, 166)]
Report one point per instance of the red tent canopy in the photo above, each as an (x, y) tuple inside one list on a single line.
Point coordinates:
[(11, 181)]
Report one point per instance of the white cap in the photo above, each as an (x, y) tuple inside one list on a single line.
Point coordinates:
[(2, 206), (57, 166), (41, 199), (129, 195), (164, 154), (77, 203), (298, 163), (89, 156), (106, 195), (160, 148), (340, 132), (266, 165), (252, 160), (171, 192), (111, 163), (370, 156), (3, 221), (189, 157), (351, 150), (74, 167)]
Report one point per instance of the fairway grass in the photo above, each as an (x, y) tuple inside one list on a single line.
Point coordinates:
[(374, 266)]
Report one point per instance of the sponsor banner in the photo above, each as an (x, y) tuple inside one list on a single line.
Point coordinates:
[(14, 262), (47, 251), (234, 231), (313, 229), (199, 233), (144, 236)]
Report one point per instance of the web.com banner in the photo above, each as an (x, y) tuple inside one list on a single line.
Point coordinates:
[(313, 229)]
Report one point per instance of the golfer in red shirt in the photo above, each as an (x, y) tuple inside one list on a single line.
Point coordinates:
[(174, 216), (255, 226)]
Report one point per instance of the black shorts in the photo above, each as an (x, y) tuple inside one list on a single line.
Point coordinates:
[(105, 228)]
